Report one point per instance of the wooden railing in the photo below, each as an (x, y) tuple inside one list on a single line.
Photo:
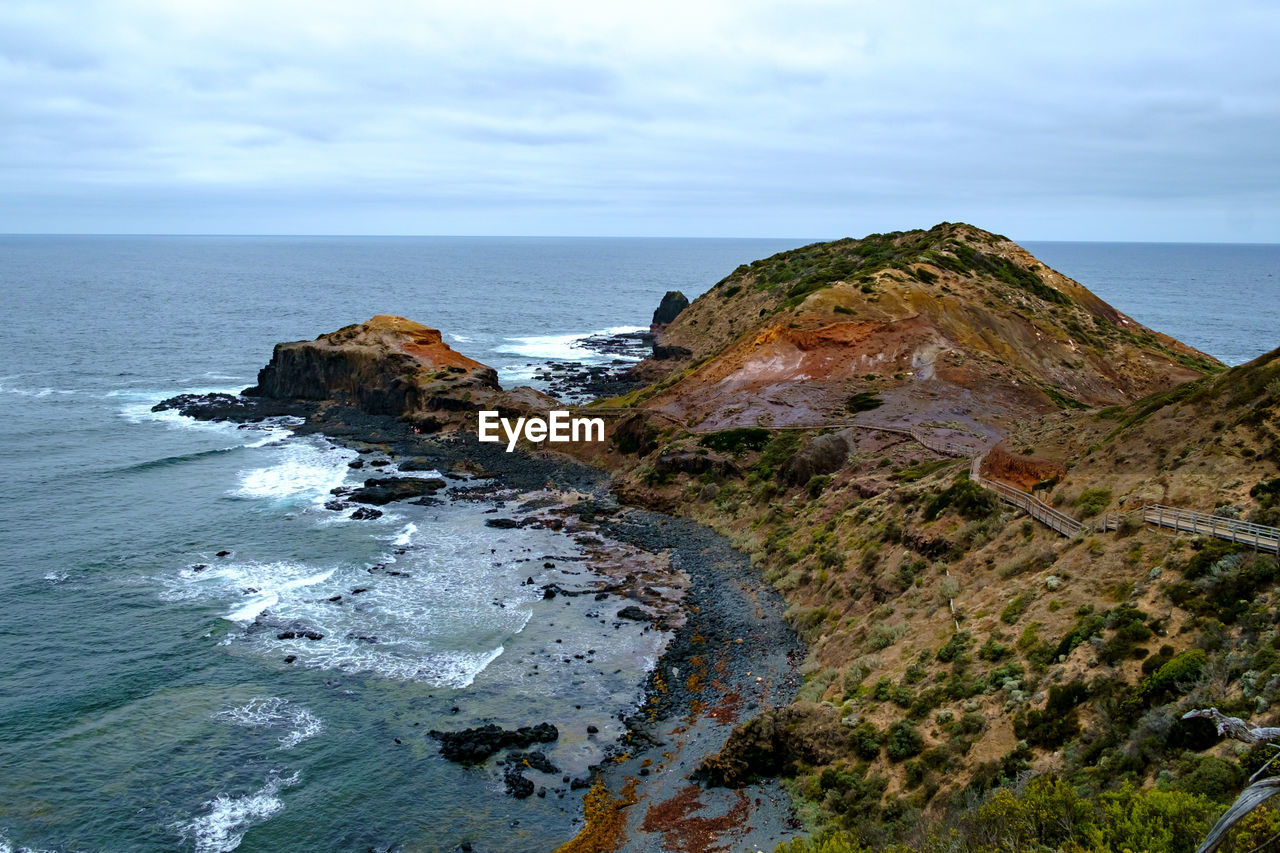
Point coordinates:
[(1031, 505), (1258, 536)]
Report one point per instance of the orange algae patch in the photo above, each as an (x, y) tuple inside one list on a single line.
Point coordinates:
[(682, 830), (605, 820)]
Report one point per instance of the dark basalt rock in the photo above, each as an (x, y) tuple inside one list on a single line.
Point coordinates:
[(366, 513), (473, 746), (383, 490), (535, 759), (823, 455), (299, 635), (635, 614), (670, 353), (502, 523), (670, 307), (418, 463), (517, 785), (694, 463), (230, 407)]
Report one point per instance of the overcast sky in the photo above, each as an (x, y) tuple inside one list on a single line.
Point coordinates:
[(1041, 120)]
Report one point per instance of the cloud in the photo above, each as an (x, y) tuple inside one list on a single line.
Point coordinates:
[(1088, 120)]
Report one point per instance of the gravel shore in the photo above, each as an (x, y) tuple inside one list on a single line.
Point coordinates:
[(731, 654), (733, 657)]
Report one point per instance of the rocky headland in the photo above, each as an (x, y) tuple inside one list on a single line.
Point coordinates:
[(828, 412)]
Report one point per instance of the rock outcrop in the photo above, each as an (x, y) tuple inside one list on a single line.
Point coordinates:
[(673, 302), (387, 366), (952, 324), (390, 366)]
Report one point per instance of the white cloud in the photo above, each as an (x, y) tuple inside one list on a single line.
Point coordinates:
[(817, 118)]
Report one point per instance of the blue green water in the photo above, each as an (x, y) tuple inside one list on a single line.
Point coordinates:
[(139, 707)]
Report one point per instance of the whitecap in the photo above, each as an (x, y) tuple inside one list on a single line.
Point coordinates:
[(568, 347), (306, 469), (269, 593), (229, 818), (454, 670), (406, 535), (36, 392), (275, 712), (269, 582), (520, 373)]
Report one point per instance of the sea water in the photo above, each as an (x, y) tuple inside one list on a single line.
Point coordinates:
[(140, 707)]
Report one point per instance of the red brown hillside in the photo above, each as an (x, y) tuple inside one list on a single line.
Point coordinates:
[(951, 326)]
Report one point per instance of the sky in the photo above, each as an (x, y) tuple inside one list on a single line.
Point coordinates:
[(1040, 120)]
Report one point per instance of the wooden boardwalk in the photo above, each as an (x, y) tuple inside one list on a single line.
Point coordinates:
[(1257, 536)]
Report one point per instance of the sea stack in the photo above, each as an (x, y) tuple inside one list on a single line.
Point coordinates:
[(393, 366)]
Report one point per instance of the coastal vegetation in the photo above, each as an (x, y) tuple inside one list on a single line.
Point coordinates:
[(975, 680)]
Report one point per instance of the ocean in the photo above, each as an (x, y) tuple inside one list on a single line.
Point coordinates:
[(139, 708)]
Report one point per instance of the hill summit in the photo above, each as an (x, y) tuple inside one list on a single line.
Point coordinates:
[(949, 324)]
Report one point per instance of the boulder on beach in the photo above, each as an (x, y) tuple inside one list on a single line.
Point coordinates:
[(383, 490), (475, 745)]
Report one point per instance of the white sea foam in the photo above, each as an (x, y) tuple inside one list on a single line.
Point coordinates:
[(462, 339), (136, 407), (275, 712), (53, 577), (561, 347), (440, 669), (45, 391), (307, 468), (405, 536), (271, 582), (229, 818), (519, 373)]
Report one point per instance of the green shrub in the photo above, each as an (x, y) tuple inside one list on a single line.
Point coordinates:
[(1058, 722), (955, 646), (1093, 501), (738, 440), (1216, 778), (993, 651), (865, 740), (817, 484), (1266, 491), (1182, 670), (970, 500), (863, 401), (1017, 607), (903, 741)]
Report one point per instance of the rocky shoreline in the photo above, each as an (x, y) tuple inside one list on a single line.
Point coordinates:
[(730, 656)]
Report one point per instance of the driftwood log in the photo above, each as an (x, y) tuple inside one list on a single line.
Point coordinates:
[(1258, 792)]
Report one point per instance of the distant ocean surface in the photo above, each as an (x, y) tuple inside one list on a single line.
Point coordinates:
[(138, 711)]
